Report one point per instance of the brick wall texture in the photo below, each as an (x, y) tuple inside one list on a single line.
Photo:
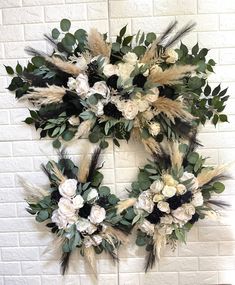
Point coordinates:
[(25, 259)]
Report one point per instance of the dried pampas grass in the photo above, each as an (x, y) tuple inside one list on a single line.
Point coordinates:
[(32, 193), (46, 95), (56, 171), (172, 75), (151, 145), (83, 170), (64, 66), (112, 233), (150, 53), (97, 44), (89, 255), (83, 129), (172, 109), (125, 204), (175, 155)]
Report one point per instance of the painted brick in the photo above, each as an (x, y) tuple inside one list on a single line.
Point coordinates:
[(23, 15), (175, 7), (19, 254), (97, 11), (25, 280)]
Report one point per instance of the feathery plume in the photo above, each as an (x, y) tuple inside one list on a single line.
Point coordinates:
[(116, 234), (172, 109), (89, 255), (83, 170), (172, 75), (175, 155), (83, 129), (97, 44), (56, 171), (125, 204), (150, 53), (151, 145), (46, 95), (64, 66), (94, 163)]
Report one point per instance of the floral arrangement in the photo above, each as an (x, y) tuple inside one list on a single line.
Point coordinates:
[(172, 193), (78, 210), (138, 86)]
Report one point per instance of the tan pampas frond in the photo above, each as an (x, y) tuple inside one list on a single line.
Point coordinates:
[(56, 171), (172, 75), (150, 53), (151, 145), (112, 233), (175, 154), (125, 204), (83, 129), (97, 44), (83, 170), (33, 193), (46, 95), (172, 109), (158, 241), (64, 66), (89, 255), (135, 134), (208, 174)]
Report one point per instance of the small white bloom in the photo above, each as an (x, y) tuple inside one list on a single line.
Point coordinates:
[(74, 120), (130, 58), (92, 241), (130, 110), (72, 83), (169, 191), (172, 55), (82, 224), (169, 180), (153, 95), (148, 115), (78, 202), (99, 109), (93, 194), (101, 88), (66, 208), (145, 202), (68, 188), (184, 213), (146, 227), (154, 128), (97, 214), (165, 229), (91, 229), (167, 219), (158, 197), (181, 189), (163, 206), (124, 70), (190, 176), (143, 105), (156, 186), (110, 69), (189, 209), (197, 200), (81, 63), (59, 220), (82, 87)]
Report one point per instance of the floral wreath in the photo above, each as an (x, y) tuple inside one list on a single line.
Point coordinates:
[(172, 193), (137, 86), (78, 209)]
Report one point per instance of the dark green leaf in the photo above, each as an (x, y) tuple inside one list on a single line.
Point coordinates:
[(207, 90), (195, 49), (223, 118), (216, 90), (203, 52), (38, 61), (104, 191), (218, 187), (19, 69), (139, 50), (9, 70), (122, 31), (55, 34), (67, 135), (56, 143), (65, 25), (29, 120)]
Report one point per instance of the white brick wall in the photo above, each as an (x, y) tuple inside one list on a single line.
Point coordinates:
[(209, 256)]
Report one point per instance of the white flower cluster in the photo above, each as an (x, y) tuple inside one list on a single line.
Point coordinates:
[(157, 195), (67, 213)]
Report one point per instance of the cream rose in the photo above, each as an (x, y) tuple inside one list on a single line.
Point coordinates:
[(172, 55), (181, 189), (165, 230), (124, 70), (130, 110), (66, 208), (169, 180), (93, 194), (130, 58), (82, 225), (146, 227), (78, 202), (81, 63), (99, 109), (153, 95), (156, 186), (110, 69), (101, 88), (148, 115), (163, 206), (143, 105), (59, 220), (74, 120), (197, 200), (157, 198), (68, 188), (72, 83), (82, 87), (166, 220), (189, 209), (145, 202), (97, 214), (154, 128), (92, 241), (169, 191)]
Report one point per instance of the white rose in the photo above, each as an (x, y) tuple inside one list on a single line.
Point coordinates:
[(148, 115), (189, 209), (81, 63), (142, 105), (74, 120), (82, 85), (99, 109), (184, 213), (66, 208), (101, 88), (157, 198), (130, 58), (93, 194), (78, 202), (59, 220), (124, 70), (190, 176), (154, 128), (92, 241), (197, 200), (156, 186), (146, 227), (68, 188), (172, 56), (145, 202), (130, 110), (181, 189), (110, 69), (169, 191), (163, 207), (165, 230), (82, 224), (91, 229), (153, 95), (72, 83), (97, 214), (166, 220)]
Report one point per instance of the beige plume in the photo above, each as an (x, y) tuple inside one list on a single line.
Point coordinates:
[(159, 241), (64, 66), (150, 53), (56, 171), (97, 44), (89, 255), (111, 233), (83, 170), (83, 129), (175, 154), (125, 204), (151, 145)]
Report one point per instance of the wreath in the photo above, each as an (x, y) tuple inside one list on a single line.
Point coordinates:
[(78, 210), (173, 191), (138, 86)]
